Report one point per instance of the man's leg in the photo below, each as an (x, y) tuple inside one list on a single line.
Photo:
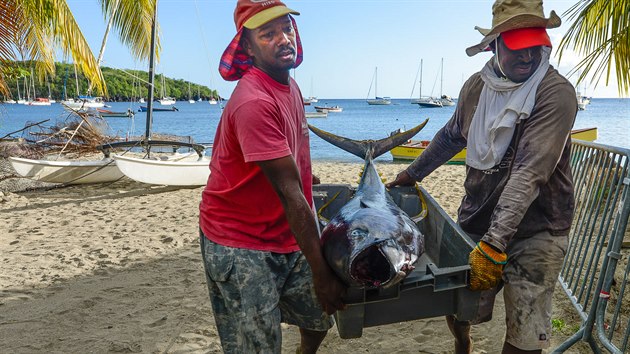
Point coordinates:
[(244, 298), (299, 305), (310, 340), (461, 332), (530, 277)]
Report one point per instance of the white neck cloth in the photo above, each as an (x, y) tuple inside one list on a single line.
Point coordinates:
[(501, 105)]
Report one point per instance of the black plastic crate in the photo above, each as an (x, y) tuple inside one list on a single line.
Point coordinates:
[(437, 286)]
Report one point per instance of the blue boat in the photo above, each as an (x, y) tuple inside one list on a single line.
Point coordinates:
[(170, 109)]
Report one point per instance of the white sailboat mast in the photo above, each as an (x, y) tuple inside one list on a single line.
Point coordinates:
[(376, 81)]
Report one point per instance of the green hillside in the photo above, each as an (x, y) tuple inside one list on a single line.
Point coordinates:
[(122, 85)]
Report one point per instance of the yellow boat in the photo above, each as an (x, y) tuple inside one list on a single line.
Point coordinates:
[(413, 149)]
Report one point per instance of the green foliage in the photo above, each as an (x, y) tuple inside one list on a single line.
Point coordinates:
[(558, 325), (600, 33), (122, 85)]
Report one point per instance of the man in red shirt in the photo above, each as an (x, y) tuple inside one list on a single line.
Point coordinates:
[(259, 235)]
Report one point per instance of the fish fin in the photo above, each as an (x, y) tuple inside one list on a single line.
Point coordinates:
[(384, 145), (361, 148), (356, 147)]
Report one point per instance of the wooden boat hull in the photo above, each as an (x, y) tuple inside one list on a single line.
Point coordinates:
[(413, 149), (67, 172), (186, 171)]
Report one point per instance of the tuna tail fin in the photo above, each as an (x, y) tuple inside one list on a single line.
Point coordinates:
[(361, 148)]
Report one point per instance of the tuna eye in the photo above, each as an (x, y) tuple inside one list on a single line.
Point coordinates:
[(358, 234)]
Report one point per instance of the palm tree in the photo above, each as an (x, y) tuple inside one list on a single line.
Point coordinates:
[(601, 33), (133, 21), (34, 29)]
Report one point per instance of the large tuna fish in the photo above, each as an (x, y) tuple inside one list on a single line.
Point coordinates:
[(371, 242)]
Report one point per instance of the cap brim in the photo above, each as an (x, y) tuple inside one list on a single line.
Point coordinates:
[(267, 15), (526, 38)]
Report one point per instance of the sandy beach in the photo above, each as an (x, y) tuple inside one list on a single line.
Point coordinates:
[(115, 268)]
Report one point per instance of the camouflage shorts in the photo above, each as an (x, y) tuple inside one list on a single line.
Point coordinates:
[(529, 279), (252, 292)]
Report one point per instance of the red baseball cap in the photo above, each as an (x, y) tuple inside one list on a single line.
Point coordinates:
[(522, 38), (252, 14)]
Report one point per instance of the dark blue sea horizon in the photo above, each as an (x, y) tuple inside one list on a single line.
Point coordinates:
[(358, 121)]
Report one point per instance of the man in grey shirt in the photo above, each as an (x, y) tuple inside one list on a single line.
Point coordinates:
[(514, 117)]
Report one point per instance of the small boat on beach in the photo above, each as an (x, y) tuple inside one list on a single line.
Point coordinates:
[(191, 169), (413, 148), (178, 170), (66, 171)]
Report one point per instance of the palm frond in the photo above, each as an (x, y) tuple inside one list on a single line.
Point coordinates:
[(8, 29), (132, 22), (38, 28), (600, 32)]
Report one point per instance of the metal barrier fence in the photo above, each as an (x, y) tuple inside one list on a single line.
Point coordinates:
[(589, 275)]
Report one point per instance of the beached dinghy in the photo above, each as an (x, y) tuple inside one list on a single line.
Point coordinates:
[(186, 170), (67, 172), (175, 170)]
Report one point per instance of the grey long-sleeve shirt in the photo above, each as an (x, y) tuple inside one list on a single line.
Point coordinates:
[(531, 189)]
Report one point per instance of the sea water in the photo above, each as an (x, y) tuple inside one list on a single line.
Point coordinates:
[(358, 120)]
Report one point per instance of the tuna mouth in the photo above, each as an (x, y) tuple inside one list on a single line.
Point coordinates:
[(371, 267)]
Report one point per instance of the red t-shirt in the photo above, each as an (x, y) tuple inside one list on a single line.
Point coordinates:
[(263, 120)]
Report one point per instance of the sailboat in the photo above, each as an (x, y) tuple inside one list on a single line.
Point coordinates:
[(582, 100), (191, 169), (37, 101), (199, 99), (311, 99), (446, 100), (428, 102), (20, 99), (190, 100), (380, 101), (83, 102), (165, 100)]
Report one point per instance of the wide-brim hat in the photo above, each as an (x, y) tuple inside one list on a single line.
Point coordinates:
[(514, 14), (252, 14)]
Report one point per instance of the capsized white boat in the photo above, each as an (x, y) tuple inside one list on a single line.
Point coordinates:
[(187, 170), (66, 171)]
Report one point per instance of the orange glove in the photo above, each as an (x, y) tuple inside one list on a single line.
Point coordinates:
[(486, 266)]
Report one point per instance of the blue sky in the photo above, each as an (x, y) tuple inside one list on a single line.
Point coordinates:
[(344, 40)]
